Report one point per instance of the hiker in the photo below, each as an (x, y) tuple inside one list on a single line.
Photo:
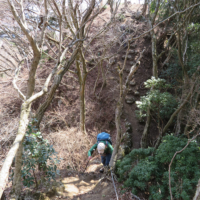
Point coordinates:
[(104, 147)]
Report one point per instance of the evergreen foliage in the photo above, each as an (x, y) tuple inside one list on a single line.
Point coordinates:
[(142, 171), (38, 153), (161, 102)]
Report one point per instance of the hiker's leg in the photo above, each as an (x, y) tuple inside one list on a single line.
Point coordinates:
[(107, 160), (103, 160)]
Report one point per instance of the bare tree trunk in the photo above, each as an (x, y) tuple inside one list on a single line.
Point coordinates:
[(118, 113), (154, 54), (197, 193), (12, 152), (82, 105), (144, 9), (173, 116), (82, 74), (125, 3), (143, 141), (57, 79), (17, 181), (19, 17), (155, 74)]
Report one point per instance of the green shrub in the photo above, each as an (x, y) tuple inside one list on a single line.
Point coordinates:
[(140, 171), (161, 102), (38, 153)]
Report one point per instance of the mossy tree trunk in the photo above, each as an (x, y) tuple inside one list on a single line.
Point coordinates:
[(152, 18)]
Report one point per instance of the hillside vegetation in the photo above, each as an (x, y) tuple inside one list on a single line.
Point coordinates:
[(72, 69)]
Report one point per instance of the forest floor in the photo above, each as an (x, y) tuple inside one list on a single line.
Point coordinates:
[(62, 117), (90, 185)]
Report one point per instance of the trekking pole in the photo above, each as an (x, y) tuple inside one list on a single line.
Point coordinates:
[(88, 163), (86, 166)]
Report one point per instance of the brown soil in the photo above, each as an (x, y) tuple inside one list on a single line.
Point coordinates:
[(90, 185), (63, 113)]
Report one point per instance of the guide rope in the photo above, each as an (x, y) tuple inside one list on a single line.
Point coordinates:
[(114, 185)]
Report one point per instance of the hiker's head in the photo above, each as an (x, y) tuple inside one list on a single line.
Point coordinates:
[(101, 147)]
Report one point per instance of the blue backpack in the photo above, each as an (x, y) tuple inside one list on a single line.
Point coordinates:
[(104, 137)]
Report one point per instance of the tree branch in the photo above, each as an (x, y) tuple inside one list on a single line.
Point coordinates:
[(15, 79)]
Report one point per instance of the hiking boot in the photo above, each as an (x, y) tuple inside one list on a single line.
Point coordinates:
[(101, 170)]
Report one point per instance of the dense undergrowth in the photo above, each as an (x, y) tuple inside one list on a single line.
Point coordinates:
[(144, 170)]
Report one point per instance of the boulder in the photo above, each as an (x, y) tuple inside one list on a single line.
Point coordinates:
[(130, 91), (128, 127), (130, 100), (132, 83), (136, 93)]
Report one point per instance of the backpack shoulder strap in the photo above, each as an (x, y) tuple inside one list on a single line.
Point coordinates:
[(106, 143)]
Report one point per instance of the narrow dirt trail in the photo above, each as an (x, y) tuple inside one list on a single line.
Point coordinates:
[(90, 185)]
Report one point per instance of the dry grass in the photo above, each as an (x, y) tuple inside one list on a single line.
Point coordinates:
[(8, 131), (72, 146)]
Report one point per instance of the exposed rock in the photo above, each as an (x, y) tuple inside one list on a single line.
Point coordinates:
[(126, 139), (136, 93), (130, 91), (128, 127), (123, 150), (132, 83), (130, 100)]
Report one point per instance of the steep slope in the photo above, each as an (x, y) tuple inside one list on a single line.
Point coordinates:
[(63, 113)]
